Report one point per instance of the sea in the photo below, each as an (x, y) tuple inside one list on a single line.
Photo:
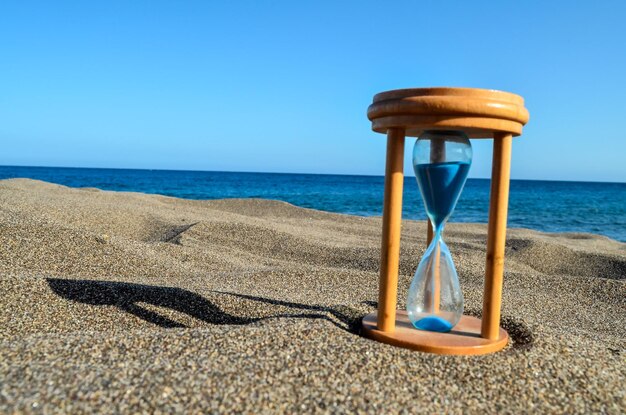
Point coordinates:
[(549, 206)]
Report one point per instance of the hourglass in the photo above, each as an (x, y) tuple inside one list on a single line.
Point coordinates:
[(443, 119)]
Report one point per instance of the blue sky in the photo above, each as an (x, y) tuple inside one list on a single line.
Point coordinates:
[(284, 86)]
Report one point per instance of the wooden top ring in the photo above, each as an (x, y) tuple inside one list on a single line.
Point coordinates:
[(478, 112)]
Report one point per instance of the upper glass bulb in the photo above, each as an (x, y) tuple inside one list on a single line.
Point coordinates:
[(441, 161)]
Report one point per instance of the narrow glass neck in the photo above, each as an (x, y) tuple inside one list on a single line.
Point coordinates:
[(437, 229)]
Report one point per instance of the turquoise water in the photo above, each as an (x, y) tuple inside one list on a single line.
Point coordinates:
[(433, 323), (441, 184), (542, 205)]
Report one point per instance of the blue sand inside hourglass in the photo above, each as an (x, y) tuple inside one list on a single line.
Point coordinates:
[(433, 323), (441, 185)]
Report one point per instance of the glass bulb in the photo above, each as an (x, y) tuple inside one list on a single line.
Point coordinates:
[(441, 161)]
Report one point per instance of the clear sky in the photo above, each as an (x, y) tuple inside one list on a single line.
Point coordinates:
[(284, 86)]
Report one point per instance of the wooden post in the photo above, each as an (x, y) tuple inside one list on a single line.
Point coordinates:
[(437, 151), (436, 294), (392, 217), (496, 236), (437, 155), (430, 233)]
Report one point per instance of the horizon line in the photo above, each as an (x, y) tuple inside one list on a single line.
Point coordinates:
[(269, 172)]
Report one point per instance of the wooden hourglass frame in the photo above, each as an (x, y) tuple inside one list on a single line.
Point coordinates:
[(479, 113)]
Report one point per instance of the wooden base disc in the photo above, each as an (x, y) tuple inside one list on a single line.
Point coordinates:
[(464, 339)]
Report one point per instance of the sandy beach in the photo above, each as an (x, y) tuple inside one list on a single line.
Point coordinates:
[(126, 302)]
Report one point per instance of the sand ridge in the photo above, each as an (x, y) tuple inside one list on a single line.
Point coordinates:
[(124, 301)]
